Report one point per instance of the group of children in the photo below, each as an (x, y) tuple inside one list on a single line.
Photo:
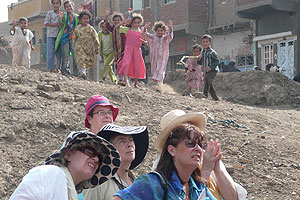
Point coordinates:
[(119, 43)]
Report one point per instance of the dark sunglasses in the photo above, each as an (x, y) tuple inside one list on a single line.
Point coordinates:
[(192, 143), (90, 151)]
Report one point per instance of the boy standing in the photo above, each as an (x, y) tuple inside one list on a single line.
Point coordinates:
[(22, 43), (209, 61), (64, 39)]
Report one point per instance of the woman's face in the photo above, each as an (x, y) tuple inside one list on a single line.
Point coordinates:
[(160, 32), (82, 164), (69, 7), (56, 5), (85, 20), (102, 115), (126, 147), (196, 52), (117, 20), (187, 154)]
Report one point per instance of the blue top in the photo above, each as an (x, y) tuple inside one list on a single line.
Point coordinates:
[(149, 187)]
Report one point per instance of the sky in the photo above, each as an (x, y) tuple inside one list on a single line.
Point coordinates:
[(3, 9)]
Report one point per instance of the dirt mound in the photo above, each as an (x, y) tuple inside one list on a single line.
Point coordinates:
[(260, 88), (39, 109)]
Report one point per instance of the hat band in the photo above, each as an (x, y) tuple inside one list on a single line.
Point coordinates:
[(98, 102)]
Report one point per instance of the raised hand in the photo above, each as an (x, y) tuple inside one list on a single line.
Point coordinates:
[(170, 25), (107, 12), (147, 25), (14, 23), (80, 9)]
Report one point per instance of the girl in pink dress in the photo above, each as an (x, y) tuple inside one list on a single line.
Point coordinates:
[(194, 75), (159, 48), (132, 64)]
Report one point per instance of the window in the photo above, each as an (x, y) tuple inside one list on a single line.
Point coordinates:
[(146, 3), (169, 1), (136, 4), (268, 54), (33, 39), (245, 63)]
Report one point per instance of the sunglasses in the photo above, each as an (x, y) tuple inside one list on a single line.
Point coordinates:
[(90, 151), (192, 143)]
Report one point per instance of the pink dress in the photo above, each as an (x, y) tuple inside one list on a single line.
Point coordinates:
[(194, 76), (132, 62), (159, 54)]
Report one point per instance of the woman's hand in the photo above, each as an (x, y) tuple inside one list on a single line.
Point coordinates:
[(211, 156), (170, 25), (107, 13)]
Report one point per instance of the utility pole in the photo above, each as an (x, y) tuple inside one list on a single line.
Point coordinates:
[(156, 17)]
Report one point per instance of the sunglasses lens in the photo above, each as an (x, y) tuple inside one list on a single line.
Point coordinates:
[(90, 151), (190, 144)]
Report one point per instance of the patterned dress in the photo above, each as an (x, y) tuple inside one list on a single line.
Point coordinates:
[(194, 76), (159, 54), (132, 62), (85, 39)]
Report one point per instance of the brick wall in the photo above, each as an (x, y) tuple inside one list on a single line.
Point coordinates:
[(198, 11)]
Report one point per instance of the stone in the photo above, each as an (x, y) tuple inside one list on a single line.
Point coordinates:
[(14, 81), (57, 87), (66, 99), (230, 170), (45, 95), (79, 98), (39, 86), (48, 88), (20, 90), (2, 89), (21, 105)]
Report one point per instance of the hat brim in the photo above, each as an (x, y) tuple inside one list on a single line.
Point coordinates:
[(197, 119), (140, 137), (111, 158), (114, 109)]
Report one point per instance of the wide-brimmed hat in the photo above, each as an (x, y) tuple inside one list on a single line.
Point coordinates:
[(139, 135), (98, 100), (110, 163), (175, 118)]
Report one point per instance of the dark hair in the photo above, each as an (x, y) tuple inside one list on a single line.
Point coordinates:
[(59, 1), (84, 12), (137, 16), (206, 36), (117, 14), (178, 134), (159, 24), (23, 19), (197, 46), (70, 2)]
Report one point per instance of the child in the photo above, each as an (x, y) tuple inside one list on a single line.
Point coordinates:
[(159, 48), (209, 61), (22, 43), (106, 52), (52, 23), (119, 39), (69, 21), (194, 76), (86, 43), (132, 63)]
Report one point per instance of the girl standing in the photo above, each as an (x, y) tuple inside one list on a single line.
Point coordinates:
[(194, 75), (159, 48), (52, 23), (86, 43), (132, 64), (22, 43)]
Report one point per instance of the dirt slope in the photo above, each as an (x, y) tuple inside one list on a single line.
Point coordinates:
[(260, 144)]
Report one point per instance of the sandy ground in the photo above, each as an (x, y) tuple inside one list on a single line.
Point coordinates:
[(257, 123)]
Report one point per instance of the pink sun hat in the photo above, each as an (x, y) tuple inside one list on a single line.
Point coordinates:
[(98, 100)]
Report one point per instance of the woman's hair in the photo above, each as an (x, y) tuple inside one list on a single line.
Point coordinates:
[(160, 24), (70, 2), (197, 46), (117, 14), (137, 16), (23, 19), (101, 22), (51, 1), (178, 134), (85, 12)]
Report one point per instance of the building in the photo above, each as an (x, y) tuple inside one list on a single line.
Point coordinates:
[(232, 35), (277, 25)]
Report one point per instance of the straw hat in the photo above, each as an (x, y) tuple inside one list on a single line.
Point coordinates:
[(175, 118)]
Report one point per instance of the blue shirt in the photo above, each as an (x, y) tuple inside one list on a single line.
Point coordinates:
[(148, 187)]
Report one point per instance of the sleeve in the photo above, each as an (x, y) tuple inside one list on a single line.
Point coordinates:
[(75, 35), (95, 38), (47, 19), (170, 36), (214, 60), (93, 193), (149, 37), (124, 29), (109, 26), (30, 35), (42, 183), (146, 187)]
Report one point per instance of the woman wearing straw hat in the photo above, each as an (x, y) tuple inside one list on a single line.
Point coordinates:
[(99, 111), (85, 160), (132, 144)]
